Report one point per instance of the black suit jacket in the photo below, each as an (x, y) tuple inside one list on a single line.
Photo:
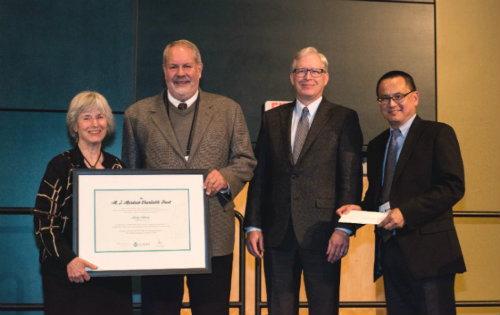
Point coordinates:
[(428, 181), (327, 174)]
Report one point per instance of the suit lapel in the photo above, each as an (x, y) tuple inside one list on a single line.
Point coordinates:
[(286, 126), (203, 119), (323, 115), (408, 147), (162, 122), (377, 162)]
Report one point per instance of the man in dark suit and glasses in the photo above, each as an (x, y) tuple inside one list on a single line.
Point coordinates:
[(415, 172), (309, 164)]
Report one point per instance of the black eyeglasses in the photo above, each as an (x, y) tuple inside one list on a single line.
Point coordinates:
[(302, 72), (398, 97)]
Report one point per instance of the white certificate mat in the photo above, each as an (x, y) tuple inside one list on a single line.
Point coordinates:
[(141, 222), (363, 217), (147, 220)]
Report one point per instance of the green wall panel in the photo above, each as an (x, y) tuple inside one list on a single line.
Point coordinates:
[(51, 50), (20, 280)]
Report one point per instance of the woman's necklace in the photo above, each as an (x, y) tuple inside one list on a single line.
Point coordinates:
[(92, 166)]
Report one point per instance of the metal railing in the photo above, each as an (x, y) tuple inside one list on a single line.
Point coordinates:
[(260, 304), (238, 304)]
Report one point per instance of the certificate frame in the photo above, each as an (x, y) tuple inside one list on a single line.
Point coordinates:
[(141, 222)]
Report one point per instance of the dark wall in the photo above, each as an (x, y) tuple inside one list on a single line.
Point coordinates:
[(51, 50), (247, 47)]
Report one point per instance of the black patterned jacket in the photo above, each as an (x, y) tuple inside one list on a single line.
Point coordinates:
[(54, 206)]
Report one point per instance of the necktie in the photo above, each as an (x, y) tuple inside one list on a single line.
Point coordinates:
[(182, 106), (300, 134), (390, 165)]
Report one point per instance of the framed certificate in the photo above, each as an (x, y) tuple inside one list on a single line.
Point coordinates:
[(141, 222)]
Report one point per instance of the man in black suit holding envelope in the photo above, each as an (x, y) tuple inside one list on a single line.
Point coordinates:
[(416, 174)]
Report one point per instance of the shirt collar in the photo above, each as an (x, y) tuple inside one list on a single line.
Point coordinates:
[(313, 107), (188, 102), (404, 128)]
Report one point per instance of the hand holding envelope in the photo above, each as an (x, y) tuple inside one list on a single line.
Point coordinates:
[(354, 214), (363, 217)]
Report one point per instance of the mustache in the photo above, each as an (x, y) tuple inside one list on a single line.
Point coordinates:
[(182, 78)]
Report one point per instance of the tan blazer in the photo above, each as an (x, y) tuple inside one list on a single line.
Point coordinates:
[(220, 141)]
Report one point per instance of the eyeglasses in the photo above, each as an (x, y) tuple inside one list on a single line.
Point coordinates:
[(398, 98), (302, 72)]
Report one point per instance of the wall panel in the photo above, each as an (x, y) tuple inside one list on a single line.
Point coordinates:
[(247, 47), (52, 50), (19, 276)]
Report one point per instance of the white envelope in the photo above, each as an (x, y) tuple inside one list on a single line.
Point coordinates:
[(363, 217)]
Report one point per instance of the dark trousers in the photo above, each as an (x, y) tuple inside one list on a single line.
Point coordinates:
[(100, 295), (407, 295), (283, 267), (208, 293)]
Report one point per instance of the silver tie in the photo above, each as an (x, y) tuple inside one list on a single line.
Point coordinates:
[(300, 134)]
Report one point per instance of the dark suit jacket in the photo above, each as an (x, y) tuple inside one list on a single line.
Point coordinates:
[(220, 141), (428, 181), (327, 174)]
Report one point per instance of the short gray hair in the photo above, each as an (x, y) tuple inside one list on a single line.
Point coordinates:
[(307, 51), (86, 101), (183, 43)]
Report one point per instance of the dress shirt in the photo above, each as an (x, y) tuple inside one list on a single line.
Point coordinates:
[(404, 128), (297, 112), (188, 102)]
